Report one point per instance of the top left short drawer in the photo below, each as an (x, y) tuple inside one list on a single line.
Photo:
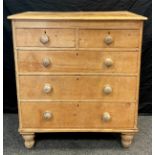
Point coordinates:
[(54, 38)]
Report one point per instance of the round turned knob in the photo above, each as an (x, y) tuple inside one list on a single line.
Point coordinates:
[(46, 62), (108, 39), (106, 116), (108, 62), (44, 39), (47, 115), (107, 89), (47, 88)]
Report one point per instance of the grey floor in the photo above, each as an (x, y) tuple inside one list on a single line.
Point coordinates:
[(77, 143)]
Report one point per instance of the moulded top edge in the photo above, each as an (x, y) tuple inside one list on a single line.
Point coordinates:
[(81, 15)]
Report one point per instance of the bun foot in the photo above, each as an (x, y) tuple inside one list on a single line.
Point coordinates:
[(29, 140), (126, 139)]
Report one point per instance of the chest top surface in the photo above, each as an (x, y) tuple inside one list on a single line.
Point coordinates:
[(104, 15)]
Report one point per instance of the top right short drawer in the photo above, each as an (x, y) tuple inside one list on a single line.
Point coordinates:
[(98, 38)]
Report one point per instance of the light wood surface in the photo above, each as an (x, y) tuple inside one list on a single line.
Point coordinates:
[(95, 38), (16, 70), (139, 72), (77, 115), (127, 24), (57, 130), (77, 72), (78, 87), (29, 140), (57, 37), (126, 139), (113, 15), (77, 62)]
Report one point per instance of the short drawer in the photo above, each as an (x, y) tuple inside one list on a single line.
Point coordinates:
[(77, 61), (109, 38), (31, 37), (109, 88), (72, 115)]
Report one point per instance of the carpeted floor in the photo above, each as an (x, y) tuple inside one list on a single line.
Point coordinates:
[(77, 143)]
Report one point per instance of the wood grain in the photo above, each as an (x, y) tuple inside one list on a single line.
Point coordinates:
[(121, 38), (77, 115), (78, 87), (57, 37), (129, 24), (79, 15), (77, 61), (76, 78), (57, 130)]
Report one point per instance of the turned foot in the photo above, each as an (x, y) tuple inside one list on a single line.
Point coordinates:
[(29, 139), (126, 139)]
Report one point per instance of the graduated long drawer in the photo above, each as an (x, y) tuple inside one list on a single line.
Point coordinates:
[(77, 115), (111, 88), (77, 61)]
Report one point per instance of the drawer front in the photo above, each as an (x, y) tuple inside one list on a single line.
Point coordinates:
[(78, 87), (109, 38), (128, 24), (77, 61), (77, 115), (45, 37)]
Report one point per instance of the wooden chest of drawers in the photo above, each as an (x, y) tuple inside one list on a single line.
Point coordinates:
[(77, 72)]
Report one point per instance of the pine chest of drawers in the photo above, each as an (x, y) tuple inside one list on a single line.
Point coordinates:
[(77, 72)]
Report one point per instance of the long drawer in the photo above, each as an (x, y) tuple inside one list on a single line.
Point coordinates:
[(77, 115), (77, 61), (111, 88)]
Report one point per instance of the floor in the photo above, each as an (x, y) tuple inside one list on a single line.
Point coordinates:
[(77, 143)]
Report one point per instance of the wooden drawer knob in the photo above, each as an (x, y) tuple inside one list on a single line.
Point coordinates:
[(44, 39), (107, 89), (108, 39), (47, 88), (46, 62), (47, 115), (108, 62), (106, 116)]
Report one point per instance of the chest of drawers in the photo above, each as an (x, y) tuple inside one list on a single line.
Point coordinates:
[(77, 72)]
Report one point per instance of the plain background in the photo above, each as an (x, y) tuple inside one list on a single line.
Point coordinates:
[(143, 7)]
